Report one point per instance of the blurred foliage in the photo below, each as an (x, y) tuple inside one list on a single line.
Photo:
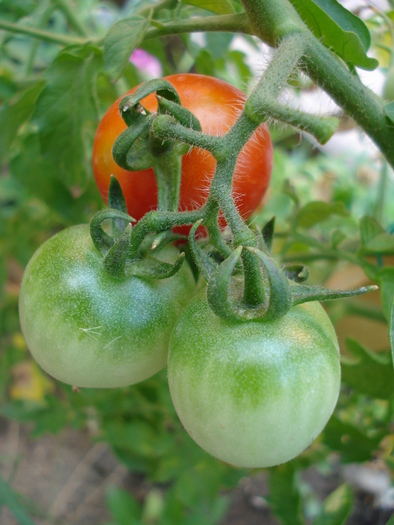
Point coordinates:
[(331, 212)]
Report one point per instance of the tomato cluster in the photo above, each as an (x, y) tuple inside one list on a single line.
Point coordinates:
[(217, 105), (253, 393)]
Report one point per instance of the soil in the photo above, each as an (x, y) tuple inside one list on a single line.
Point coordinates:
[(65, 479)]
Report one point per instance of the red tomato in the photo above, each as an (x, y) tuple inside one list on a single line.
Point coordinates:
[(217, 105)]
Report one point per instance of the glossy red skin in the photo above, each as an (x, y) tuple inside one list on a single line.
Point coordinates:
[(217, 105)]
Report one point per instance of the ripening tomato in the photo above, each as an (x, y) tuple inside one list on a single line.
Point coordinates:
[(88, 329), (217, 105), (253, 394)]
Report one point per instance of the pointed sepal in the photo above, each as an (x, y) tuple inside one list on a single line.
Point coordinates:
[(280, 297), (152, 268), (101, 240), (218, 290), (163, 238), (180, 113), (268, 233), (130, 153), (116, 201), (204, 263), (115, 260), (303, 293), (296, 272)]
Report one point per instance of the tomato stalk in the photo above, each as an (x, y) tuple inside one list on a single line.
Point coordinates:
[(160, 139), (276, 20)]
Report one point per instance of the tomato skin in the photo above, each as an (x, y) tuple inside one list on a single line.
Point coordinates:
[(87, 329), (217, 105), (254, 394)]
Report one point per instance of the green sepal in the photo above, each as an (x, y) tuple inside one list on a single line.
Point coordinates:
[(152, 268), (159, 86), (302, 293), (163, 238), (204, 263), (296, 272), (181, 114), (101, 240), (259, 238), (114, 261), (130, 154), (218, 289), (268, 232), (116, 202), (280, 296)]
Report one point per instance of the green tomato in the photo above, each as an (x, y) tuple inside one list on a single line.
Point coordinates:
[(88, 329), (254, 394)]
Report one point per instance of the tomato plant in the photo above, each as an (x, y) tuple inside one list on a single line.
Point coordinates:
[(254, 394), (88, 329), (217, 105)]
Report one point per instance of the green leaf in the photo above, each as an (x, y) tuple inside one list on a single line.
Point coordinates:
[(338, 29), (14, 114), (219, 7), (66, 113), (336, 507), (123, 507), (284, 496), (370, 373), (39, 176), (369, 229), (353, 444), (381, 244), (315, 212), (121, 40), (12, 500), (336, 238), (391, 521), (346, 20), (389, 110)]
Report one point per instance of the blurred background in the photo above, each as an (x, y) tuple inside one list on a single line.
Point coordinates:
[(121, 456)]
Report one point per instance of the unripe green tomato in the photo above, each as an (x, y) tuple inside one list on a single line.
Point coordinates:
[(88, 329), (254, 394)]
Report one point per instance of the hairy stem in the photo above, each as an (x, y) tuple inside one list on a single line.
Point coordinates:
[(237, 23), (273, 20)]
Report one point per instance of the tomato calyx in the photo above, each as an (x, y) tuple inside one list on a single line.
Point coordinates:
[(279, 287), (115, 247), (244, 282), (138, 148)]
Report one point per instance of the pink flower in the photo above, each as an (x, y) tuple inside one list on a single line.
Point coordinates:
[(146, 63)]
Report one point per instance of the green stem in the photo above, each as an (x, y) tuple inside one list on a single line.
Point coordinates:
[(167, 170), (325, 253), (382, 188), (363, 310), (156, 222), (36, 45), (165, 127), (47, 36), (273, 20), (73, 20), (237, 23), (263, 104), (348, 92)]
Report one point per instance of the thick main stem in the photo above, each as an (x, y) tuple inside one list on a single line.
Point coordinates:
[(272, 20)]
